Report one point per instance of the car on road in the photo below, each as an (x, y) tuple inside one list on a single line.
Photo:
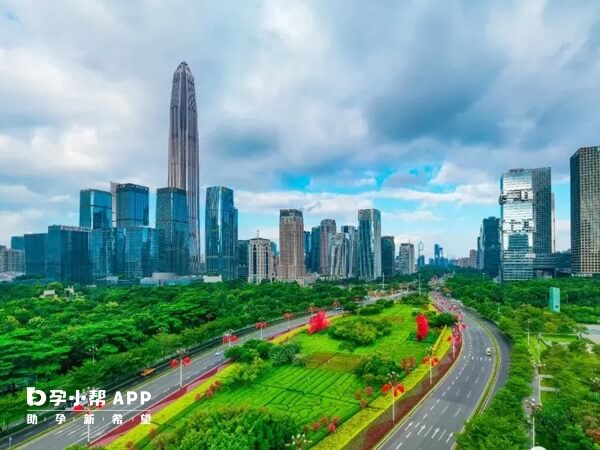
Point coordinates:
[(147, 371), (219, 353), (488, 351)]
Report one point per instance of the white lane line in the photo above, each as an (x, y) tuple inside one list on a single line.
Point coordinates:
[(458, 411), (432, 406), (425, 415), (438, 400), (427, 432), (446, 408), (409, 425), (458, 393), (476, 380), (421, 430), (469, 394), (482, 367), (434, 433), (449, 436), (408, 434), (442, 435), (399, 445)]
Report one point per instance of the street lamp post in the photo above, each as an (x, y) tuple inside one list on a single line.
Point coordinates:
[(93, 349), (180, 352), (534, 407)]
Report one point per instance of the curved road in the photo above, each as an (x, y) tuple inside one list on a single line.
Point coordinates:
[(433, 424), (75, 432)]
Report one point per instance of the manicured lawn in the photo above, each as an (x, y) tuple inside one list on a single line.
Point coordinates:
[(326, 385)]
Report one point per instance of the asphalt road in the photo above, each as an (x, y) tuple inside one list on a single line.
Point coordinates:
[(433, 424), (75, 432)]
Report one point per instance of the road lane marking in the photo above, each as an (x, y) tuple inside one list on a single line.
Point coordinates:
[(458, 393), (427, 432), (425, 415), (449, 436), (477, 380), (438, 400), (442, 435), (399, 445), (408, 434), (458, 411), (469, 394), (409, 425), (434, 433), (432, 406), (421, 430), (445, 409)]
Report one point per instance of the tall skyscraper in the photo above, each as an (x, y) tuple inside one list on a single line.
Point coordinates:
[(388, 256), (172, 229), (67, 257), (407, 258), (307, 243), (473, 258), (184, 168), (95, 209), (133, 205), (35, 254), (139, 252), (291, 243), (221, 232), (328, 229), (242, 257), (12, 260), (337, 259), (17, 242), (351, 237), (490, 246), (102, 251), (369, 244), (315, 249), (525, 204), (585, 211), (438, 255), (260, 260)]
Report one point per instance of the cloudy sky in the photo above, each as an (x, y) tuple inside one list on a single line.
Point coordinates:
[(413, 107)]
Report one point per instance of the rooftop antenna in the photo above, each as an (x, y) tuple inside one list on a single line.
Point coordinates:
[(257, 233)]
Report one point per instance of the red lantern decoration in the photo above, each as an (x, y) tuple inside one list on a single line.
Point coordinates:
[(386, 388), (233, 339), (331, 427), (186, 361), (318, 322), (78, 407), (422, 327), (174, 363)]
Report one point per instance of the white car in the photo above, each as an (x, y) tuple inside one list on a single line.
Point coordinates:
[(488, 351)]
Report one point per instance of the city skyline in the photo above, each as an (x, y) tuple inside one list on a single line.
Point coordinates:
[(345, 153)]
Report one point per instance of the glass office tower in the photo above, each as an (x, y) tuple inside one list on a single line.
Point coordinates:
[(172, 228), (221, 233), (95, 209), (67, 257), (369, 244), (133, 205)]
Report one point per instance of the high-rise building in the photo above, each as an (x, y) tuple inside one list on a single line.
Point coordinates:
[(473, 258), (242, 257), (438, 255), (139, 252), (337, 259), (525, 203), (95, 209), (133, 205), (184, 168), (260, 260), (17, 242), (67, 257), (421, 261), (407, 258), (490, 246), (291, 242), (307, 243), (172, 229), (113, 194), (35, 254), (369, 244), (350, 235), (12, 260), (388, 256), (328, 229), (102, 251), (585, 211), (315, 249), (221, 233)]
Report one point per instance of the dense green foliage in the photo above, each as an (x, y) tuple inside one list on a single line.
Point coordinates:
[(232, 428), (359, 330), (376, 369), (568, 418), (254, 348), (47, 341)]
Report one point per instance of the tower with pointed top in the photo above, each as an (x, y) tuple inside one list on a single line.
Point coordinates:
[(184, 169)]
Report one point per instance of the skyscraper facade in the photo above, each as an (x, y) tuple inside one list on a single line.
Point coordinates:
[(388, 256), (337, 259), (315, 249), (12, 260), (307, 243), (140, 252), (67, 257), (585, 211), (350, 235), (490, 246), (407, 258), (526, 225), (242, 256), (17, 242), (473, 258), (369, 244), (221, 232), (260, 260), (102, 251), (184, 169), (95, 209), (291, 242), (133, 205), (35, 254), (328, 229), (172, 229)]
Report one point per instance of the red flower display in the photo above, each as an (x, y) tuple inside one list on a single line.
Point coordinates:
[(174, 363), (399, 389), (386, 388), (331, 427), (324, 420), (233, 339), (318, 322), (316, 426), (186, 361), (422, 327)]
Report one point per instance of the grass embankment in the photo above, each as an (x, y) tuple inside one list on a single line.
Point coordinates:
[(325, 386)]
